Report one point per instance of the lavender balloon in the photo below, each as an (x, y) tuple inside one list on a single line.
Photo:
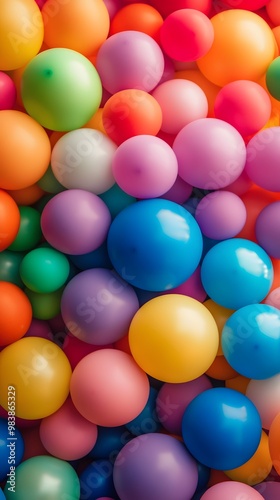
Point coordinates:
[(268, 229), (97, 306), (155, 466)]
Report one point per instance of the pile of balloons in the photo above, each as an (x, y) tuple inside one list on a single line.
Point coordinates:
[(139, 250)]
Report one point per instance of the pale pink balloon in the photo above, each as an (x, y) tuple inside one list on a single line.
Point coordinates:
[(265, 394), (231, 490)]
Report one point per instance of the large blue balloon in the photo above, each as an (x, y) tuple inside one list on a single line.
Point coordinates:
[(2, 496), (221, 428), (236, 272), (251, 341), (11, 449), (155, 244)]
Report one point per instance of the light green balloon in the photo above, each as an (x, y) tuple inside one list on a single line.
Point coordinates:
[(61, 89), (44, 478)]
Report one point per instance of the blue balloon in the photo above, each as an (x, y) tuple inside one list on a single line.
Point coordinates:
[(251, 341), (91, 260), (97, 480), (2, 496), (155, 244), (236, 272), (11, 449), (116, 200), (110, 441), (221, 428), (147, 421)]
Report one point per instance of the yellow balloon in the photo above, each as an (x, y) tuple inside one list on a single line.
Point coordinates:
[(37, 373), (257, 468), (221, 315), (173, 338), (21, 32)]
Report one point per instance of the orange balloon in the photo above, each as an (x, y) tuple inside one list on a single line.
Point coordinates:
[(221, 369), (276, 33), (81, 25), (243, 48), (239, 383), (96, 121), (25, 150), (55, 136), (27, 196), (16, 77), (274, 442), (9, 220), (220, 315), (257, 468), (209, 89), (137, 17), (15, 313)]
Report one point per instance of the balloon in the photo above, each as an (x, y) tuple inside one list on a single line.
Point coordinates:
[(11, 444), (250, 341), (273, 298), (75, 349), (147, 421), (145, 166), (108, 388), (142, 238), (265, 396), (80, 26), (192, 287), (43, 476), (97, 306), (7, 91), (15, 313), (221, 369), (97, 479), (56, 96), (209, 89), (236, 272), (267, 228), (49, 183), (221, 428), (27, 196), (181, 102), (110, 441), (66, 434), (245, 4), (25, 150), (231, 490), (220, 315), (130, 60), (268, 489), (9, 220), (174, 338), (29, 233), (166, 8), (137, 17), (238, 383), (45, 306), (75, 221), (234, 55), (257, 468), (273, 12), (179, 192), (96, 258), (131, 112), (82, 159), (40, 373), (274, 441), (44, 270), (221, 215), (116, 200), (142, 471), (245, 105), (39, 328), (219, 162), (186, 35), (9, 267), (173, 399), (264, 146), (22, 32)]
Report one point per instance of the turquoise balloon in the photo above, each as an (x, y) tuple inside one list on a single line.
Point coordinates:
[(116, 200), (61, 89), (44, 270), (9, 267), (29, 233), (44, 478)]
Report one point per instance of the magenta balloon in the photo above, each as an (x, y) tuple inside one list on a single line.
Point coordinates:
[(39, 328), (97, 306), (130, 60), (8, 92), (221, 215), (211, 153), (75, 221), (173, 399), (263, 152), (179, 192), (270, 490), (155, 466), (268, 229)]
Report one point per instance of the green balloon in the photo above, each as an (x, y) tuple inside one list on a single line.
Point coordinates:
[(9, 267), (61, 89), (45, 305), (44, 270), (49, 183), (43, 478), (40, 204), (273, 78), (29, 233)]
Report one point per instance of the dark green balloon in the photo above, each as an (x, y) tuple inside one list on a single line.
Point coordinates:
[(44, 270), (45, 305), (29, 233), (44, 478), (273, 78), (49, 183), (9, 267), (40, 204)]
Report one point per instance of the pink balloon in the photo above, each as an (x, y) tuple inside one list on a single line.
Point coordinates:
[(181, 102), (108, 388), (231, 490), (66, 434), (8, 92), (262, 165), (192, 287), (265, 394), (273, 298), (211, 153)]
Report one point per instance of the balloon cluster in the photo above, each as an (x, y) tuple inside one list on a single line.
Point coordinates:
[(139, 250)]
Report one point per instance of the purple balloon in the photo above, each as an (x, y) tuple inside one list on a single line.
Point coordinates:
[(268, 229), (270, 490), (75, 221), (262, 164), (97, 306), (155, 466)]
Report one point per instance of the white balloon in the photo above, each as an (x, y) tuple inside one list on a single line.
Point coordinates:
[(265, 394), (82, 159)]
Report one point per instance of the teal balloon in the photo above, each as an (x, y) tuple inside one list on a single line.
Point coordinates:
[(116, 200), (29, 233), (49, 183), (44, 478), (44, 270), (9, 267), (61, 89)]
